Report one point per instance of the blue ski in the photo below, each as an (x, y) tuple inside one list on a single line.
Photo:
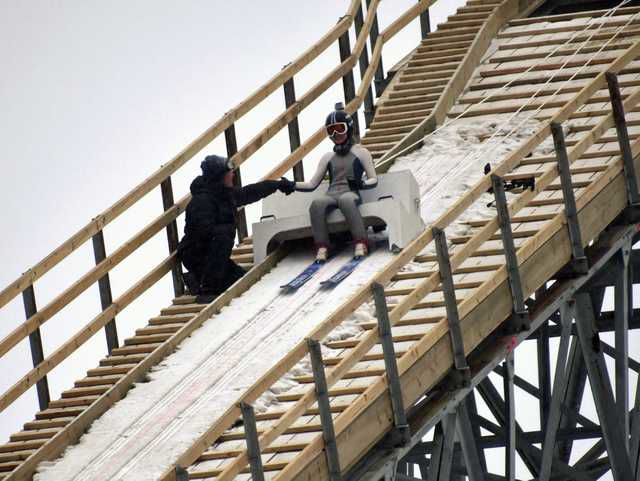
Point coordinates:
[(342, 273), (303, 277)]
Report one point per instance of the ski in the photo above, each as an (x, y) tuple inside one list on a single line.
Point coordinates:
[(302, 278), (341, 273)]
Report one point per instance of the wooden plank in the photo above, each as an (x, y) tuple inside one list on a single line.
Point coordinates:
[(506, 11), (84, 417)]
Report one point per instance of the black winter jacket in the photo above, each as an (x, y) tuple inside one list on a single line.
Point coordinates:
[(210, 214)]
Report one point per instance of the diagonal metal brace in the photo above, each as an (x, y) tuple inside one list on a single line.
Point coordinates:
[(520, 316), (451, 305), (402, 434), (326, 419), (579, 262)]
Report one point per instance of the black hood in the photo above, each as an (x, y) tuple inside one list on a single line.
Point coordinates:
[(205, 185)]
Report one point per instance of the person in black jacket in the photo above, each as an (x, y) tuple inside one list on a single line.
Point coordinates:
[(210, 226)]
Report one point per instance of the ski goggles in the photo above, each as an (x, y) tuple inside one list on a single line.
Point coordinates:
[(337, 129)]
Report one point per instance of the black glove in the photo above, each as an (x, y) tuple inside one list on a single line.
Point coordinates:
[(355, 184), (286, 186)]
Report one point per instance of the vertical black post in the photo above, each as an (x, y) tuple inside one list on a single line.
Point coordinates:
[(232, 149), (373, 38), (623, 294), (294, 128), (322, 395), (391, 366), (550, 428), (520, 315), (253, 446), (35, 342), (369, 108), (99, 254), (348, 83), (181, 474), (623, 139), (600, 384), (451, 305), (510, 418), (442, 454), (172, 236), (544, 372), (580, 264), (425, 23)]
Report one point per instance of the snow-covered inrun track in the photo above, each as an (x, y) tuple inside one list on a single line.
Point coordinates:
[(143, 434), (209, 372)]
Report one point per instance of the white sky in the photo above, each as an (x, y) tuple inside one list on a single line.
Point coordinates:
[(94, 96)]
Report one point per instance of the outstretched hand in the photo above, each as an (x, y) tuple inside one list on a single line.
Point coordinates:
[(286, 186)]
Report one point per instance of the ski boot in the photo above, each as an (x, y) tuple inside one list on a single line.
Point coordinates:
[(322, 254), (360, 250)]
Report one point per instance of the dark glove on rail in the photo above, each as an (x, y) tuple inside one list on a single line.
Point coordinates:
[(286, 186)]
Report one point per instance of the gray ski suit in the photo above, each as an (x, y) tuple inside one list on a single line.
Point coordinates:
[(345, 179)]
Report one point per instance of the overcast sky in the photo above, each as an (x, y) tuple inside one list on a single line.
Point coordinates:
[(94, 96)]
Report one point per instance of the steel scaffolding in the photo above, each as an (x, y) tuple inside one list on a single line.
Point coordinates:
[(571, 309)]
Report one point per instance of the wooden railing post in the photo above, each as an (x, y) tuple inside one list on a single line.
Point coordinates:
[(35, 342), (326, 419), (451, 307), (348, 83), (253, 444), (232, 149), (520, 316), (373, 38), (172, 236), (425, 23), (369, 108), (104, 285), (580, 264), (401, 431), (294, 128), (623, 139)]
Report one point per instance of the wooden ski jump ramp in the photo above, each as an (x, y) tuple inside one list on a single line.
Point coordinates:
[(559, 74)]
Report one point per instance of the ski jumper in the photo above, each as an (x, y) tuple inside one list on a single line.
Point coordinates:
[(345, 179)]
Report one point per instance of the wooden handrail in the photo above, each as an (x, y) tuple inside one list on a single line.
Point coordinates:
[(372, 337), (115, 210), (97, 323), (383, 277), (104, 267), (91, 277), (319, 135)]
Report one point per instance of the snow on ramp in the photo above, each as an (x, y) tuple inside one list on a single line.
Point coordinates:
[(143, 434)]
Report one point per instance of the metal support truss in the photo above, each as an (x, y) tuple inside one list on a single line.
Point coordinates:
[(568, 316)]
